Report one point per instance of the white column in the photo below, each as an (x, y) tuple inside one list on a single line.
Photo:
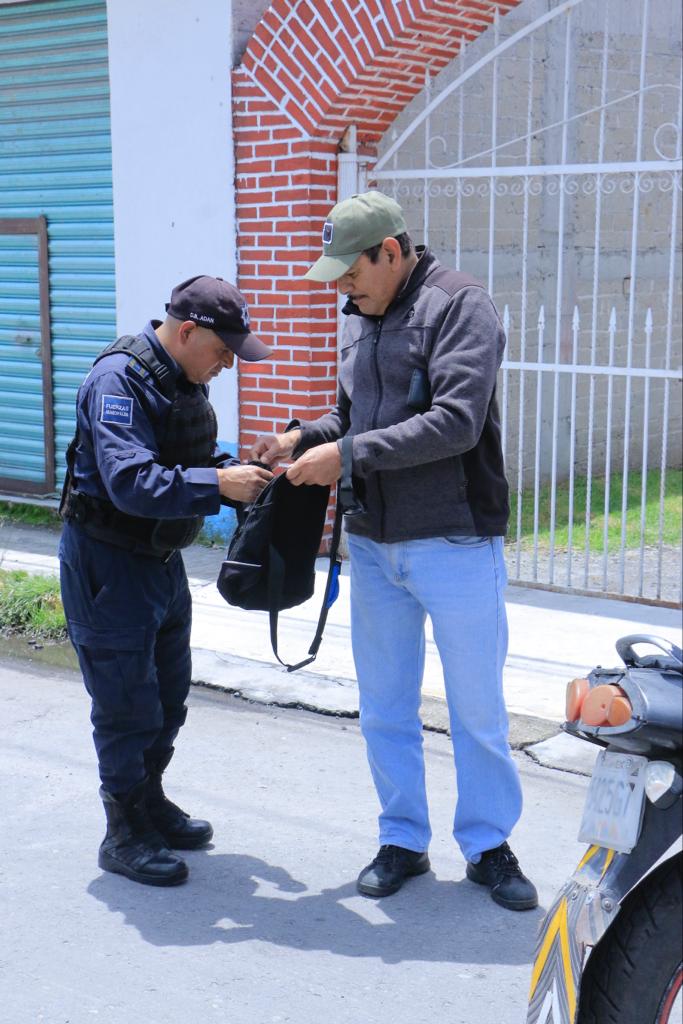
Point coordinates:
[(347, 186), (172, 156)]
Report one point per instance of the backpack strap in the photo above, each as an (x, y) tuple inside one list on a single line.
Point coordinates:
[(276, 581)]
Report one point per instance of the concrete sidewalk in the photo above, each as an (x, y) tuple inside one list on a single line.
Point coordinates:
[(553, 638)]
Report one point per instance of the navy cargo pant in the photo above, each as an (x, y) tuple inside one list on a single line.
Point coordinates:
[(129, 619)]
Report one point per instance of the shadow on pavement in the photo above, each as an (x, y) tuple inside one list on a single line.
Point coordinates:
[(235, 898)]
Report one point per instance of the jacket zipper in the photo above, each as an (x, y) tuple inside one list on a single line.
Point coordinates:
[(375, 417)]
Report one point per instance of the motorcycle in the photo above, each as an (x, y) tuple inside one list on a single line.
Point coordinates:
[(610, 949)]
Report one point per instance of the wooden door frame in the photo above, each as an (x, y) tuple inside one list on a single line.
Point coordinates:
[(38, 226)]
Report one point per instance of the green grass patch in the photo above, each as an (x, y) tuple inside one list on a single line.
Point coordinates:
[(29, 515), (673, 512), (32, 605), (206, 540)]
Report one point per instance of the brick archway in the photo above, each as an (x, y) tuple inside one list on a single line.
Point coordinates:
[(308, 73)]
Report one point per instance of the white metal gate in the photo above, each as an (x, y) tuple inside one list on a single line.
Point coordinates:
[(547, 160)]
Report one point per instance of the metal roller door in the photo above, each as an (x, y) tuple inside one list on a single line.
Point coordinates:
[(57, 293)]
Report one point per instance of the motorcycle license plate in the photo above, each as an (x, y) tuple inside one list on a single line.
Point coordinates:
[(614, 806)]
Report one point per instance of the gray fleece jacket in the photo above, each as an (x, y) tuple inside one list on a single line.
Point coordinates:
[(417, 410)]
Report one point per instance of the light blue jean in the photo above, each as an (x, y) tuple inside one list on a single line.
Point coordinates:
[(459, 583)]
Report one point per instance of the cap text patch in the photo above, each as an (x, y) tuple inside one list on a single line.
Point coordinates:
[(117, 409)]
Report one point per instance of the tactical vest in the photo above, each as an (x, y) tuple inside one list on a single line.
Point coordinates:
[(188, 440)]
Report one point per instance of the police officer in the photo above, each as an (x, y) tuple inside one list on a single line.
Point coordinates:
[(143, 471)]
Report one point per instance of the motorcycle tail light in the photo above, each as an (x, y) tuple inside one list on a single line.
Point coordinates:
[(576, 694), (619, 710), (606, 704), (663, 784)]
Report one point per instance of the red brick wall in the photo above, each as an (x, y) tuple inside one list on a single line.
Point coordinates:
[(311, 69)]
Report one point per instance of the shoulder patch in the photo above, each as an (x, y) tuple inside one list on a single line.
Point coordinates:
[(136, 367), (117, 409)]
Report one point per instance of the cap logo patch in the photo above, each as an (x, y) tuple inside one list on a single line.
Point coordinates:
[(328, 231), (244, 313)]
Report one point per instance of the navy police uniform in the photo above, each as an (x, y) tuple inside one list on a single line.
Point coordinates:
[(142, 478)]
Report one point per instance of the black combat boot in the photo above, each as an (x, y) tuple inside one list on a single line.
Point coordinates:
[(179, 830), (132, 846)]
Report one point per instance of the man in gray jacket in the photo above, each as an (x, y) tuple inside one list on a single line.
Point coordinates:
[(415, 436)]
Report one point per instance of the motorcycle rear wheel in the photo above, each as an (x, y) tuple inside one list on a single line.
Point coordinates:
[(634, 974)]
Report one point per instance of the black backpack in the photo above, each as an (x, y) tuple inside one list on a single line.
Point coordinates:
[(270, 563)]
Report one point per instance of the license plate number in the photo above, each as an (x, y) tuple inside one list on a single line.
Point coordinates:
[(614, 806)]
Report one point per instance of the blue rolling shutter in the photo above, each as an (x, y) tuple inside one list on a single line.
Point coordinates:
[(55, 161)]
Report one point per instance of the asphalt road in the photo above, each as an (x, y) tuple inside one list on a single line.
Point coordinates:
[(269, 928)]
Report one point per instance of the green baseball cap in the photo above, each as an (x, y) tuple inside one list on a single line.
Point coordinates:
[(352, 226)]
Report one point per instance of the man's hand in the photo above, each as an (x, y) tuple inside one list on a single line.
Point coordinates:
[(320, 465), (275, 448), (242, 483)]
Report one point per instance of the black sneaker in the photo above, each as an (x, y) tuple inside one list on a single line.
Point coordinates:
[(500, 871), (389, 870)]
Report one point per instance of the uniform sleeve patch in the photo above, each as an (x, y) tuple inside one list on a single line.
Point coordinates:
[(137, 368), (117, 409)]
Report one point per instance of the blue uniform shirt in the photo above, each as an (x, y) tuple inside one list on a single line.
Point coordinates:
[(121, 419)]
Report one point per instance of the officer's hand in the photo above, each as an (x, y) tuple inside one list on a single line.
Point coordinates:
[(320, 465), (275, 448), (242, 483)]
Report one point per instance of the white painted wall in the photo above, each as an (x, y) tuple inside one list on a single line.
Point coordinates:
[(172, 156)]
